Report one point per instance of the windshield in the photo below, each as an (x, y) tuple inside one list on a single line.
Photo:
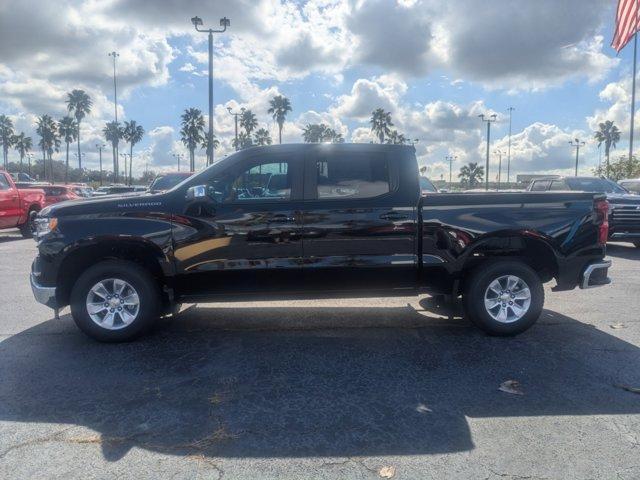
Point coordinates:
[(600, 185), (168, 181)]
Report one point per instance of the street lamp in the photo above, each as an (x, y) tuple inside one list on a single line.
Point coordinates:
[(451, 159), (577, 143), (179, 156), (224, 23), (510, 110), (236, 115), (29, 157), (100, 146), (489, 120), (125, 155), (499, 153)]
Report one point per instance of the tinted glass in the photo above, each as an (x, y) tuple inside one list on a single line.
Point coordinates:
[(267, 181), (558, 185), (540, 186), (4, 183), (599, 185), (53, 191), (167, 182), (426, 185), (632, 185), (353, 176)]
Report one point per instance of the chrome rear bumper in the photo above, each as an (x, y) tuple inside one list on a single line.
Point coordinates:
[(595, 275)]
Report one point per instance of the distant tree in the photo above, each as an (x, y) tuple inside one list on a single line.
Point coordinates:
[(113, 133), (262, 137), (132, 133), (620, 169), (192, 132), (243, 141), (319, 132), (381, 123), (279, 107), (205, 142), (396, 138), (23, 145), (471, 175), (49, 142), (79, 104), (248, 121), (6, 137), (68, 130), (608, 134)]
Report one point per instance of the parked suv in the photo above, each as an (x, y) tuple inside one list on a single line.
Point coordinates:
[(624, 220)]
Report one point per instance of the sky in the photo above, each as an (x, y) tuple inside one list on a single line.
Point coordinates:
[(434, 65)]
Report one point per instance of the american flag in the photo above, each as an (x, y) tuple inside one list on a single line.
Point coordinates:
[(626, 23)]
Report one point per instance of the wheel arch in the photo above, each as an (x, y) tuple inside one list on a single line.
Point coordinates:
[(80, 257)]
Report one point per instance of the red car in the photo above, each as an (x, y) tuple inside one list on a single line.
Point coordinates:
[(58, 193), (19, 206)]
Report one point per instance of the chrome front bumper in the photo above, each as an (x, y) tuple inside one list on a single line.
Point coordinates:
[(595, 275), (43, 295)]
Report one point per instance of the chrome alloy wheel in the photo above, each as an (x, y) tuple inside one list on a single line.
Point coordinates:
[(113, 304), (507, 299)]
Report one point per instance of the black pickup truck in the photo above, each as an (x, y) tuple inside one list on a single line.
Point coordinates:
[(310, 221)]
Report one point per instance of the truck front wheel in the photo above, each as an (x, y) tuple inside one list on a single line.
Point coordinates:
[(115, 301), (504, 297)]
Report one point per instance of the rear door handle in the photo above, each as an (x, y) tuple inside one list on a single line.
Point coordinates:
[(393, 216)]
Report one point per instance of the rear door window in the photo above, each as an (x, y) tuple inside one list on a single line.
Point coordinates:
[(4, 183), (352, 175), (540, 186), (558, 185)]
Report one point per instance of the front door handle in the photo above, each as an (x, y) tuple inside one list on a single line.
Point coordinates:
[(393, 216)]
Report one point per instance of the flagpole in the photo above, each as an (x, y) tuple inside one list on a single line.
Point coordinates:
[(633, 88)]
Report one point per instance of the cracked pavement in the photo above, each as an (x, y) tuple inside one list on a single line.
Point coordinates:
[(323, 389)]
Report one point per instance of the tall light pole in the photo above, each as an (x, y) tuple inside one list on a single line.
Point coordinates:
[(178, 156), (499, 153), (489, 120), (79, 163), (577, 144), (224, 23), (510, 110), (115, 55), (100, 146), (451, 159), (125, 155), (29, 157), (236, 115)]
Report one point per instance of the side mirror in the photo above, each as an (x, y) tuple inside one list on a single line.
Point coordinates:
[(197, 192)]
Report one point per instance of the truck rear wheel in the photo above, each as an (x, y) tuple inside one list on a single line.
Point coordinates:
[(504, 297), (115, 301), (28, 229)]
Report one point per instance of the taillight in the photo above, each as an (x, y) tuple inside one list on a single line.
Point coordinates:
[(602, 219)]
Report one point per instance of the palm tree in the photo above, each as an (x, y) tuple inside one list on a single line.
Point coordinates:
[(471, 175), (205, 143), (244, 141), (6, 136), (609, 135), (262, 137), (192, 133), (132, 133), (79, 104), (380, 123), (68, 130), (49, 142), (248, 121), (319, 132), (279, 108), (396, 138), (113, 133), (22, 145)]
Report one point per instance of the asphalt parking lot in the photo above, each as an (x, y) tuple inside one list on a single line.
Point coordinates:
[(331, 389)]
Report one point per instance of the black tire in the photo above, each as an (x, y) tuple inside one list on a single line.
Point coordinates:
[(637, 244), (27, 229), (477, 285), (145, 286)]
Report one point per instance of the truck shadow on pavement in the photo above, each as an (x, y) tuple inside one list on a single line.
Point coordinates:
[(623, 250), (293, 381)]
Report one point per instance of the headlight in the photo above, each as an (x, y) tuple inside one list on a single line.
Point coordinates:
[(44, 226)]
